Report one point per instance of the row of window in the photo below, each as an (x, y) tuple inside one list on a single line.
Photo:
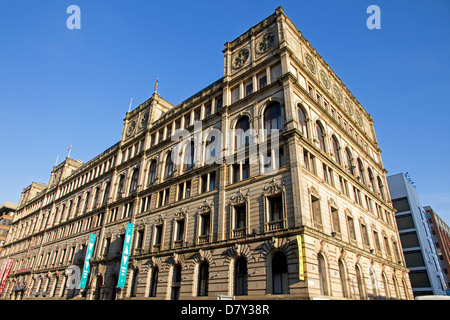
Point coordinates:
[(355, 168)]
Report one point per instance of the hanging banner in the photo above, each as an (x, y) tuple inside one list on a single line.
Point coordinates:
[(301, 273), (125, 255), (6, 274), (2, 270), (87, 261)]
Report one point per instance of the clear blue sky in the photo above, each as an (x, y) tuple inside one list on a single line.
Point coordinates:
[(61, 87)]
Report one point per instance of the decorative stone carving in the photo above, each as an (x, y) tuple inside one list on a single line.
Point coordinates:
[(239, 197), (274, 187), (310, 63)]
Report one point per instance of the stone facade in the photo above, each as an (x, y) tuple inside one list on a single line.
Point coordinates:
[(227, 227)]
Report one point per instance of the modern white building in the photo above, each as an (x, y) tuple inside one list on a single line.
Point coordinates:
[(418, 247)]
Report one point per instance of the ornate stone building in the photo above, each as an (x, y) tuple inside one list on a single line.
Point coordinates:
[(315, 220)]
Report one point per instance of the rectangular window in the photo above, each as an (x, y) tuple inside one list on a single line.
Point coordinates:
[(405, 221), (335, 217), (326, 177), (377, 241), (180, 230), (344, 185), (187, 191), (205, 224), (240, 216), (365, 235), (180, 191), (414, 259), (107, 246), (204, 183), (386, 246), (166, 196), (158, 234), (245, 170), (248, 88), (401, 204), (160, 198), (140, 239), (197, 114), (315, 205), (212, 181), (235, 94), (409, 240), (262, 81), (187, 120), (219, 103), (236, 172), (276, 208), (208, 109), (351, 228), (275, 72)]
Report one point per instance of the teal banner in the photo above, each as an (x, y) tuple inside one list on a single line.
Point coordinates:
[(125, 255), (87, 261)]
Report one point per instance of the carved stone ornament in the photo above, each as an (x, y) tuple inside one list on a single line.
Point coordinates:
[(274, 187), (143, 120), (313, 190), (241, 57), (358, 118), (239, 198), (181, 213), (324, 78), (205, 207), (159, 219), (130, 128), (266, 42), (310, 63), (349, 106), (338, 93)]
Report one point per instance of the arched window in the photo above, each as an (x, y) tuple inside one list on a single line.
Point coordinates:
[(335, 145), (69, 209), (386, 286), (320, 136), (361, 171), (78, 206), (371, 179), (189, 155), (203, 279), (120, 189), (242, 126), (96, 197), (152, 172), (381, 188), (86, 202), (360, 280), (176, 280), (106, 193), (323, 279), (343, 276), (240, 277), (272, 117), (397, 290), (279, 273), (210, 151), (169, 165), (134, 180), (350, 165), (134, 283), (154, 282), (302, 120)]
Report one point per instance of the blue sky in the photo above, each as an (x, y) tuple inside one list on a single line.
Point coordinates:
[(61, 87)]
